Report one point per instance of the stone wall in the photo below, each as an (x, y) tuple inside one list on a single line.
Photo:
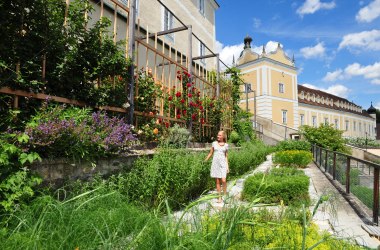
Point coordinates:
[(56, 171)]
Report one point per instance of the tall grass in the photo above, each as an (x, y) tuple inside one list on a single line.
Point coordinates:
[(102, 220)]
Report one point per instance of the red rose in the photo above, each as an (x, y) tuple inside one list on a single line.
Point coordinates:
[(182, 101), (188, 85), (202, 121), (184, 112), (170, 98), (178, 94), (201, 107), (178, 116), (193, 116), (190, 95), (166, 124)]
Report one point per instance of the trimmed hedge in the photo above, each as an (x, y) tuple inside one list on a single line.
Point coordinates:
[(293, 158), (289, 185), (293, 145)]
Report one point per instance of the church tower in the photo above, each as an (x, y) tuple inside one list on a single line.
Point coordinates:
[(273, 76)]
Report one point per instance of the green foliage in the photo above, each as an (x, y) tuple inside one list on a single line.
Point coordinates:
[(325, 136), (103, 219), (364, 194), (16, 183), (176, 175), (247, 158), (234, 137), (176, 137), (293, 145), (293, 158), (286, 185), (363, 142), (82, 61)]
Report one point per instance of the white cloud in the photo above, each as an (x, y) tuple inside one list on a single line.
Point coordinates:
[(362, 40), (314, 52), (312, 6), (337, 89), (369, 13), (333, 76), (256, 22), (226, 53), (377, 105), (371, 72)]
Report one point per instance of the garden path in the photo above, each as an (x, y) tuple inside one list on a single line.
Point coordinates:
[(336, 216)]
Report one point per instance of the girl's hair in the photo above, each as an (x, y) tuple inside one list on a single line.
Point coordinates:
[(224, 135)]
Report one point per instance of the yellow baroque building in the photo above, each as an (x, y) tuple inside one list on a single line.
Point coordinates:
[(282, 106)]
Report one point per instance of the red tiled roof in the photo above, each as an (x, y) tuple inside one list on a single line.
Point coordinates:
[(329, 96)]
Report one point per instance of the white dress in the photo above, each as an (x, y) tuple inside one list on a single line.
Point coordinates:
[(219, 161)]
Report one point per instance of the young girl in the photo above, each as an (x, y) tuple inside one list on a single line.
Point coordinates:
[(219, 166)]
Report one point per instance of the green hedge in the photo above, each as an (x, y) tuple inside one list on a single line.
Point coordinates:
[(293, 145), (248, 157), (293, 158), (282, 184)]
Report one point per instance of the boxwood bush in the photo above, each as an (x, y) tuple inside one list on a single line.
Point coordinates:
[(293, 158), (289, 185), (293, 145)]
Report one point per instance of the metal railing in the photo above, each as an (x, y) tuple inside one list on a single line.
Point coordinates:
[(357, 177)]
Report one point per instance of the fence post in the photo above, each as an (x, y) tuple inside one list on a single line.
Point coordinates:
[(334, 167), (375, 211), (326, 165), (190, 66), (131, 53), (320, 157), (348, 169)]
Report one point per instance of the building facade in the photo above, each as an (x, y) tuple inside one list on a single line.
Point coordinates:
[(160, 15), (279, 98)]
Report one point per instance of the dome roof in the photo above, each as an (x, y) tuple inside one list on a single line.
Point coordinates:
[(371, 110)]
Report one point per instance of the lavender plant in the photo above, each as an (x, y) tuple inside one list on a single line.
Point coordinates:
[(78, 134)]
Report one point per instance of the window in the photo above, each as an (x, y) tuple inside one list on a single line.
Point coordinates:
[(202, 6), (168, 22), (326, 121), (360, 127), (247, 88), (314, 121), (302, 118), (284, 117), (336, 123), (347, 124), (302, 95), (202, 51), (281, 88), (125, 2), (354, 126)]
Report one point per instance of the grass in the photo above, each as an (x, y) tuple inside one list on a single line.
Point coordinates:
[(100, 219)]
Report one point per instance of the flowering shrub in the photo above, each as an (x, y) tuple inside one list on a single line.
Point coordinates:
[(73, 132), (188, 105)]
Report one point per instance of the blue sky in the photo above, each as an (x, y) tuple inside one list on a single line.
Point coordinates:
[(336, 43)]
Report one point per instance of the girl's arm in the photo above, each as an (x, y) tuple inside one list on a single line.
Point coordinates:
[(210, 154)]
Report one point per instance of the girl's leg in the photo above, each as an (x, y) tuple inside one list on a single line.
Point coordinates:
[(218, 189), (224, 183)]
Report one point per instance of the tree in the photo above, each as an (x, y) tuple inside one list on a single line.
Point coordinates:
[(325, 136)]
